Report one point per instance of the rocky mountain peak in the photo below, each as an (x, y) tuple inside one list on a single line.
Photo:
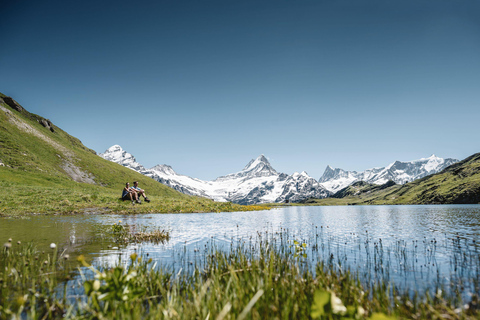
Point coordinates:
[(114, 148), (116, 154), (260, 160), (259, 167), (328, 174), (337, 173), (164, 168)]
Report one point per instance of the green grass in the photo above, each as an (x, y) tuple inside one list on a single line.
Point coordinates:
[(260, 281), (35, 181), (50, 196)]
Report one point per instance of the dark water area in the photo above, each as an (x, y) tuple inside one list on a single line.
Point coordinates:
[(414, 247)]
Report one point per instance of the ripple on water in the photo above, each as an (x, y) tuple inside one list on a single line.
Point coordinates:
[(349, 232)]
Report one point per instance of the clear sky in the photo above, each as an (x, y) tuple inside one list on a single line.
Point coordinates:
[(205, 86)]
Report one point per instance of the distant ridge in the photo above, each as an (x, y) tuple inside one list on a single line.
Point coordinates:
[(458, 183), (398, 171)]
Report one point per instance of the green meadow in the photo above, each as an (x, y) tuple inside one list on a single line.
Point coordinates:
[(45, 172)]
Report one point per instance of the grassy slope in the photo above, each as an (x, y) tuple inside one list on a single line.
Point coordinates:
[(458, 183), (37, 183)]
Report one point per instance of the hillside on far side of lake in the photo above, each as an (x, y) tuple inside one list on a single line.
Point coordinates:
[(456, 184)]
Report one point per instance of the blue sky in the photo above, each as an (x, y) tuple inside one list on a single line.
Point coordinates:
[(205, 86)]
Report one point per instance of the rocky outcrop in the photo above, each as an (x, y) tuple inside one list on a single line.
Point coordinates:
[(13, 104), (47, 124), (17, 107)]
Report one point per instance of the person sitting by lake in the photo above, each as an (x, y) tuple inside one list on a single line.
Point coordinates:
[(130, 194), (139, 191)]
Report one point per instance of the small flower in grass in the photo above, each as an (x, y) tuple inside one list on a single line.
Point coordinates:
[(337, 305), (53, 245), (66, 257), (360, 311), (18, 242), (96, 285), (10, 240), (130, 275), (7, 245)]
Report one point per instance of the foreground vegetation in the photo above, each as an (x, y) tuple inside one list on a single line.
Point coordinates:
[(45, 170), (258, 280)]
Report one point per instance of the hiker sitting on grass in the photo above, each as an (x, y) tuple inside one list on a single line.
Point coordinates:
[(130, 194), (139, 191)]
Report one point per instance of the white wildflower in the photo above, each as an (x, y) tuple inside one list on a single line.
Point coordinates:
[(337, 305)]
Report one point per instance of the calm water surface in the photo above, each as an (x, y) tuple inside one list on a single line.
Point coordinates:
[(417, 247)]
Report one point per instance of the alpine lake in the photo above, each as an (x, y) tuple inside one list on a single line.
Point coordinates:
[(414, 248)]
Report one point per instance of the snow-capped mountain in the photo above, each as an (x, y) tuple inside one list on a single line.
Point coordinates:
[(117, 154), (337, 179), (400, 172), (258, 182)]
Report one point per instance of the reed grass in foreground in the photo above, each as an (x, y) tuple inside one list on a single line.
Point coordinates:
[(271, 283)]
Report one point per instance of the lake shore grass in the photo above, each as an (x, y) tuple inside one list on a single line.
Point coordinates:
[(257, 280), (69, 197)]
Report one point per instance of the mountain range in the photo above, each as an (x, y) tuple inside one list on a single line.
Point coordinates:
[(400, 172), (259, 182), (458, 183)]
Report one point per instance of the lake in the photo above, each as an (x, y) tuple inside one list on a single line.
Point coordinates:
[(416, 247)]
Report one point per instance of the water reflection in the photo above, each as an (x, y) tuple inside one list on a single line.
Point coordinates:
[(419, 244)]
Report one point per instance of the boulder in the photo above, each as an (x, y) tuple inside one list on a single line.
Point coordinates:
[(47, 124), (13, 104)]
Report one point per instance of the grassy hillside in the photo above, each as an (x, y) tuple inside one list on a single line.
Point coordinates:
[(361, 187), (45, 170), (456, 184)]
